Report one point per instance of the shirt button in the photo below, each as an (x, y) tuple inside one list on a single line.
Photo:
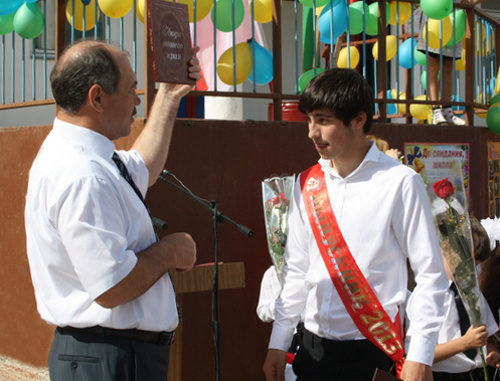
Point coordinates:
[(74, 364)]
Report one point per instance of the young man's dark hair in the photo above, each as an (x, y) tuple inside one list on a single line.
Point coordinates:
[(343, 91)]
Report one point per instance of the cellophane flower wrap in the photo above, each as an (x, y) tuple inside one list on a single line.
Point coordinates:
[(449, 208), (276, 195)]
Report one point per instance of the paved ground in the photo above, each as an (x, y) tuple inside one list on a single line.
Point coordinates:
[(13, 370)]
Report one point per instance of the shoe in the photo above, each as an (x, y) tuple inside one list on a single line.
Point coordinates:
[(452, 118), (438, 117)]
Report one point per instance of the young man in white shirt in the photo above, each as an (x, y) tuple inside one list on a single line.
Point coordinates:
[(384, 219)]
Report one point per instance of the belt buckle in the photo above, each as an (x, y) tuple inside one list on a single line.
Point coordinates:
[(166, 338)]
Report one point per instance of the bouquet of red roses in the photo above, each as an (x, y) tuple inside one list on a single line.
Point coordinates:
[(276, 194)]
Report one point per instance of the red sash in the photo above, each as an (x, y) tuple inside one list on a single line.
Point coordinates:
[(356, 294)]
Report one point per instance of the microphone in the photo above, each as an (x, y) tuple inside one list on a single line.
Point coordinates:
[(160, 223), (166, 172)]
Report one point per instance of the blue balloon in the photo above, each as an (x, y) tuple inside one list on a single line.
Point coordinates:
[(340, 21), (85, 2), (391, 107), (263, 63), (405, 52), (9, 6), (456, 98)]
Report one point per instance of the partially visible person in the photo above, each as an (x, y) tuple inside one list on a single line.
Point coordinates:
[(442, 112), (270, 289), (355, 220), (99, 272), (383, 146)]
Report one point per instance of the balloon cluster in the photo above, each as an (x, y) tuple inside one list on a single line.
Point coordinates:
[(24, 17), (233, 72)]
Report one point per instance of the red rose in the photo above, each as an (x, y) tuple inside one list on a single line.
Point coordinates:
[(443, 188)]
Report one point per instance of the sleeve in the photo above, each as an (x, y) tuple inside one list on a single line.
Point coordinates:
[(269, 292), (418, 238), (91, 223), (290, 305)]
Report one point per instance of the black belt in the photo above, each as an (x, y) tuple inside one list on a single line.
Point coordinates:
[(475, 374), (159, 338)]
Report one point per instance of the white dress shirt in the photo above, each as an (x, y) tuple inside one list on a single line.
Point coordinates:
[(84, 226), (451, 331), (383, 212)]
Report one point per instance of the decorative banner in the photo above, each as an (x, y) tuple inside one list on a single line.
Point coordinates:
[(439, 158), (494, 179)]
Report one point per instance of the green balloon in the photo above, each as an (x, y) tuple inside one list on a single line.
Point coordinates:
[(372, 18), (7, 23), (28, 21), (306, 77), (493, 119), (420, 57), (436, 9), (356, 17), (458, 22), (495, 99), (224, 19), (310, 3)]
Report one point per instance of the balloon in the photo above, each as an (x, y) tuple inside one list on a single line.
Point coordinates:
[(434, 34), (401, 106), (226, 64), (78, 15), (493, 119), (420, 57), (263, 64), (319, 3), (391, 107), (356, 16), (7, 23), (372, 22), (460, 63), (203, 8), (458, 22), (420, 111), (9, 6), (436, 9), (405, 52), (140, 9), (115, 8), (348, 57), (224, 16), (85, 2), (28, 21), (456, 98), (263, 10), (391, 46), (339, 22), (306, 77), (495, 99), (404, 12)]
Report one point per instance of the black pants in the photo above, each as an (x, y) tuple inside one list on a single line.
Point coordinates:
[(327, 360), (84, 357)]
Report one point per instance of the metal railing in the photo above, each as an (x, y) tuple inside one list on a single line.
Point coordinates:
[(288, 33)]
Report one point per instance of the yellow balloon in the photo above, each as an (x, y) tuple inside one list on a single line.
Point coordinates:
[(401, 106), (203, 8), (420, 111), (343, 60), (460, 63), (243, 67), (404, 12), (434, 28), (115, 8), (78, 16), (140, 8), (263, 10), (391, 47)]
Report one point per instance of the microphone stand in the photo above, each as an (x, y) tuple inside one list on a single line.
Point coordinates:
[(218, 217)]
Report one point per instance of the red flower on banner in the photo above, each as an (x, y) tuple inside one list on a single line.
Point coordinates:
[(443, 188)]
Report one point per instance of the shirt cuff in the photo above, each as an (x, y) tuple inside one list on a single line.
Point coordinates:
[(281, 337), (421, 350)]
